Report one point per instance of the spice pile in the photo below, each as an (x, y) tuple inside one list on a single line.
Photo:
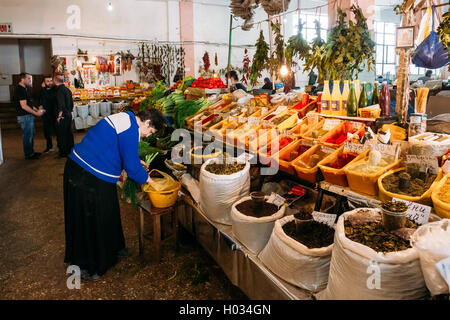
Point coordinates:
[(342, 160), (257, 209), (444, 193), (312, 234), (406, 183), (314, 159), (225, 168), (375, 236), (294, 153)]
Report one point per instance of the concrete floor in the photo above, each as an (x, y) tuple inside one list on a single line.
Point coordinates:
[(32, 242)]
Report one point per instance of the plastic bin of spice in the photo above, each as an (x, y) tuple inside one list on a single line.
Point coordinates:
[(265, 152), (319, 132), (286, 120), (339, 134), (307, 167), (425, 198), (442, 207), (287, 155), (337, 175), (366, 183), (306, 126)]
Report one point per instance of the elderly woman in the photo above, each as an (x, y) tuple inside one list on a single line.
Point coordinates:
[(94, 236)]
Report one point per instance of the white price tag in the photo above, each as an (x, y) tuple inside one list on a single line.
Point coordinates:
[(330, 124), (244, 157), (231, 118), (350, 147), (307, 143), (280, 109), (325, 218), (312, 118), (264, 110), (425, 162), (385, 149), (418, 213), (327, 149), (276, 199), (443, 267), (253, 121), (242, 119)]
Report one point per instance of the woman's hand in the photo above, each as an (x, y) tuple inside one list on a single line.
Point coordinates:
[(149, 180), (144, 164)]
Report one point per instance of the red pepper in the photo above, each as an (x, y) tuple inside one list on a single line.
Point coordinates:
[(207, 119)]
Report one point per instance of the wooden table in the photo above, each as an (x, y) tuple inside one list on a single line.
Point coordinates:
[(156, 213)]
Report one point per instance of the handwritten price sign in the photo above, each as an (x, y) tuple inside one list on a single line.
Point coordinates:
[(325, 218), (418, 213)]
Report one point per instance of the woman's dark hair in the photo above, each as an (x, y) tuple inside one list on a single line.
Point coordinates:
[(232, 74), (155, 116)]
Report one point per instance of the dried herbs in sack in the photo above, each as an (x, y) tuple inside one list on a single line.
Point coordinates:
[(252, 231), (432, 241), (293, 261), (219, 190), (358, 272)]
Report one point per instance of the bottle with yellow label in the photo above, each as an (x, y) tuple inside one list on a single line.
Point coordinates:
[(357, 89), (326, 99), (345, 94), (336, 99)]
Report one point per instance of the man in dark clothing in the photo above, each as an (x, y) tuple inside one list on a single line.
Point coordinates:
[(427, 76), (64, 107), (25, 115), (234, 79), (47, 103)]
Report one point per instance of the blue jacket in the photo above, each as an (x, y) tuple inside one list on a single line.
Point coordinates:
[(111, 146)]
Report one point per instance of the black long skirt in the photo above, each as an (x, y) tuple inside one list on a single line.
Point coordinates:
[(93, 227)]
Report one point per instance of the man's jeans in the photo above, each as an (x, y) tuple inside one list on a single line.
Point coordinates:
[(27, 124)]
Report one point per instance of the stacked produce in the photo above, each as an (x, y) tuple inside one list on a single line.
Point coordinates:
[(208, 83), (187, 108)]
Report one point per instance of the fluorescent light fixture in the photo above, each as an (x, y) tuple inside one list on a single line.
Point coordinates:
[(110, 7)]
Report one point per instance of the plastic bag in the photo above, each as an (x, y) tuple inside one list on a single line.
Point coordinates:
[(294, 262), (358, 272), (219, 192), (253, 232), (430, 53), (94, 109), (432, 241), (161, 184)]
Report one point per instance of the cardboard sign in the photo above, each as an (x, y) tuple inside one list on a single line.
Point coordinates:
[(350, 147), (244, 157), (264, 110), (417, 212), (424, 162), (386, 149), (253, 121), (276, 199), (327, 149), (330, 124), (280, 109), (325, 218), (242, 120), (307, 143)]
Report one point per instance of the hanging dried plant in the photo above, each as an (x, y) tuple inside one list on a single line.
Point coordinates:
[(273, 7), (206, 62), (260, 59), (245, 67), (276, 59), (297, 47)]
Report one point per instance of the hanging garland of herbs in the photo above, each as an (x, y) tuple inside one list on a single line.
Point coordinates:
[(260, 59), (277, 56), (349, 46), (297, 47), (206, 62), (314, 59)]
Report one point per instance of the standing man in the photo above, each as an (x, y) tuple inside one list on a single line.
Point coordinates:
[(47, 103), (64, 107), (25, 115)]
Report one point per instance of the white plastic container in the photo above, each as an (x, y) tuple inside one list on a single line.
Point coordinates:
[(105, 109), (94, 109)]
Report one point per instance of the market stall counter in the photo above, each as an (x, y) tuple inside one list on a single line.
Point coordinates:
[(244, 269)]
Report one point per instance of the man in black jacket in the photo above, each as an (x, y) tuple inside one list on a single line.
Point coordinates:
[(64, 107), (48, 103)]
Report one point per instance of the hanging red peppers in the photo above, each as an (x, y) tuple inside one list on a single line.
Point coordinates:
[(206, 62)]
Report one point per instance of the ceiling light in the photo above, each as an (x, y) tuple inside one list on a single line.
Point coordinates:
[(110, 7), (284, 70)]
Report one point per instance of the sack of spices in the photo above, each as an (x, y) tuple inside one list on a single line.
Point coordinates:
[(253, 221), (293, 261), (358, 272), (221, 185), (432, 241)]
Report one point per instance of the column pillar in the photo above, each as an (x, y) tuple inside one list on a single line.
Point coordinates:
[(187, 34)]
